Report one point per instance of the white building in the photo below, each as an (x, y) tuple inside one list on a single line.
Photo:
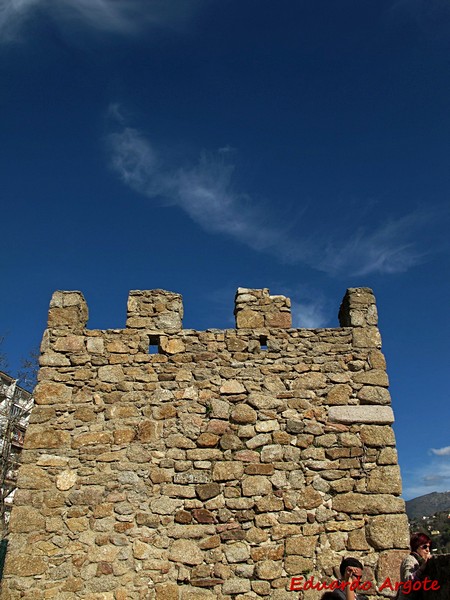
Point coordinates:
[(15, 409)]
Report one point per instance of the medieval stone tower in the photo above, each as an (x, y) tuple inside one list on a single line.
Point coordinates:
[(175, 464)]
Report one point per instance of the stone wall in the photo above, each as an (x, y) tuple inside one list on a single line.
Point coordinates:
[(175, 464)]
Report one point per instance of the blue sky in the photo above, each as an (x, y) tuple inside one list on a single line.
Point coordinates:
[(202, 145)]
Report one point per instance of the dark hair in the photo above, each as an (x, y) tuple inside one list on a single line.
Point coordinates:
[(418, 539), (330, 596), (349, 562)]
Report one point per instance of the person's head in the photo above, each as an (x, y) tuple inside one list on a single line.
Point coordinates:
[(330, 596), (351, 563), (420, 543)]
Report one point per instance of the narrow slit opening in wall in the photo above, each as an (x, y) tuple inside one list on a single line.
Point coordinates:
[(153, 344), (263, 342)]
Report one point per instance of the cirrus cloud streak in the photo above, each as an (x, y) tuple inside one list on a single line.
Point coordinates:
[(107, 16), (441, 451), (431, 476), (206, 192)]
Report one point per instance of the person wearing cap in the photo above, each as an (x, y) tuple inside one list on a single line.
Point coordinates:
[(351, 570)]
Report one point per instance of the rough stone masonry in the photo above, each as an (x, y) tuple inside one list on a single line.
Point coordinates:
[(175, 464)]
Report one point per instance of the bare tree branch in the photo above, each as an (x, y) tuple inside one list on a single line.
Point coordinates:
[(27, 375), (3, 358)]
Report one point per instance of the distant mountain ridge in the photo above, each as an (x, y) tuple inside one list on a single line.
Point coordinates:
[(428, 505)]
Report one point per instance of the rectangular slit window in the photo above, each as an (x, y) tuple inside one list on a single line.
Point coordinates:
[(153, 347), (263, 342)]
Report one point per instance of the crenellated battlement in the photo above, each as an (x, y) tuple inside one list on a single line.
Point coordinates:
[(160, 310), (174, 464)]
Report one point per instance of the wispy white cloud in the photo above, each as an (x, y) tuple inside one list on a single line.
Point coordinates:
[(13, 14), (433, 476), (135, 161), (310, 314), (388, 248), (206, 192), (113, 16), (441, 451)]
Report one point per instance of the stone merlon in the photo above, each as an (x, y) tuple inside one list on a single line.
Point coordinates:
[(256, 309)]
